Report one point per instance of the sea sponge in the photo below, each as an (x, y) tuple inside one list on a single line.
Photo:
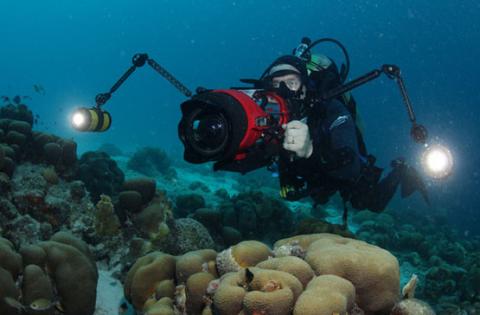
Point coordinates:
[(373, 271), (292, 265), (130, 200), (106, 221), (196, 288), (326, 295), (193, 262), (145, 275), (244, 254), (144, 186), (151, 222)]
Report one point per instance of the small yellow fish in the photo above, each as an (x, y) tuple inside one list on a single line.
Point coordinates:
[(41, 305)]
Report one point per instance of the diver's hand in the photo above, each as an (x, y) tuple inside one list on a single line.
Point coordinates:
[(297, 139)]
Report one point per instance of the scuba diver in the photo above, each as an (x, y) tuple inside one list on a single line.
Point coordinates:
[(324, 151), (299, 119)]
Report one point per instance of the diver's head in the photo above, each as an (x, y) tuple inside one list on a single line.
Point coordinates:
[(288, 75)]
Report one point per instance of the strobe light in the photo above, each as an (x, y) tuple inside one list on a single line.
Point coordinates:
[(437, 161), (91, 119)]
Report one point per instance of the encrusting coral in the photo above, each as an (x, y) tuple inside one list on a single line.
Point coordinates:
[(336, 275)]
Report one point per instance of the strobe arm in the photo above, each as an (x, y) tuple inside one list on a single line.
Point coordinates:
[(418, 132), (138, 61)]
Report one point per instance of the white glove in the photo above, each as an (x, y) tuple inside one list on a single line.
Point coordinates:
[(297, 139)]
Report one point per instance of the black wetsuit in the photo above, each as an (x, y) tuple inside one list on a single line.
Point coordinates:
[(336, 163)]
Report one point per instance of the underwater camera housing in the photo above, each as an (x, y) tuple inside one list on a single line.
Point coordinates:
[(224, 126)]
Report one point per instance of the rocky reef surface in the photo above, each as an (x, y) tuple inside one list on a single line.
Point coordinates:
[(185, 240)]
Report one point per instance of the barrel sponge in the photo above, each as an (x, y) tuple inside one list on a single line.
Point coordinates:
[(228, 298), (130, 200), (36, 285), (292, 265), (373, 271), (244, 254), (193, 262), (151, 221), (74, 275), (144, 276), (196, 289), (164, 306), (326, 295), (271, 291), (9, 259)]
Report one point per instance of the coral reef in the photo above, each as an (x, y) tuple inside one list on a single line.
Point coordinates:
[(47, 280), (150, 161), (33, 205), (338, 276), (100, 174), (446, 263)]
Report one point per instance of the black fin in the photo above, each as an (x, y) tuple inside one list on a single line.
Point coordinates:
[(411, 182)]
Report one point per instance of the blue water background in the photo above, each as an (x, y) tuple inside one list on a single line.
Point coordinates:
[(76, 49)]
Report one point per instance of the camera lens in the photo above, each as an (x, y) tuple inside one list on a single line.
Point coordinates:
[(208, 132)]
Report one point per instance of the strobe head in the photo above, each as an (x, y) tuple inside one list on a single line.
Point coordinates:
[(91, 119)]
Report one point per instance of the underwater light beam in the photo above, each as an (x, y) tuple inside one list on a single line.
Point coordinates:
[(437, 161)]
